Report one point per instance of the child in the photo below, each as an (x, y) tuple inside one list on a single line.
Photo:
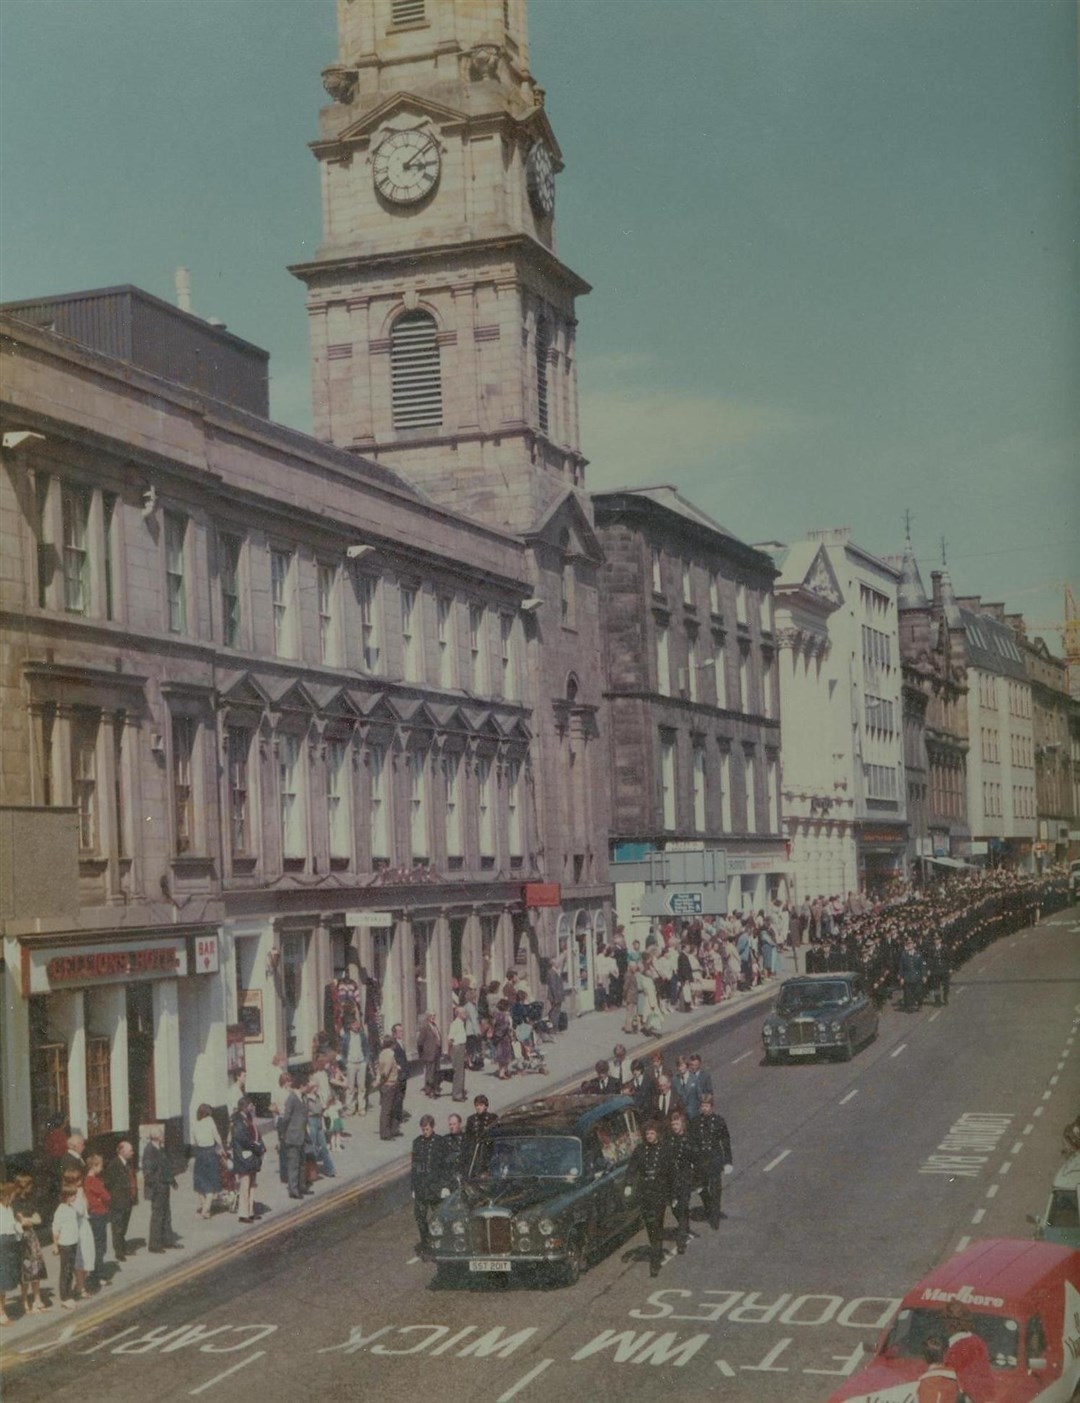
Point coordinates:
[(24, 1206), (65, 1231), (10, 1249), (98, 1200), (335, 1126)]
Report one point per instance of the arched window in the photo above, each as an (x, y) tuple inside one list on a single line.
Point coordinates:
[(415, 376), (543, 345)]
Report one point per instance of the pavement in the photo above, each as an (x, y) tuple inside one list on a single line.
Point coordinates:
[(364, 1167)]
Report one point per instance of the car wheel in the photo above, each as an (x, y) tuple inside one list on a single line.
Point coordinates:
[(574, 1261), (845, 1051), (773, 1058), (448, 1275)]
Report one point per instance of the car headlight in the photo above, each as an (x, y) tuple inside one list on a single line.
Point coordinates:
[(835, 1027), (768, 1032), (821, 1029), (435, 1228), (458, 1226), (545, 1226), (521, 1225)]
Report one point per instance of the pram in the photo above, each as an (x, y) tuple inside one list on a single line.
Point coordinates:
[(527, 1054), (541, 1026), (228, 1196)]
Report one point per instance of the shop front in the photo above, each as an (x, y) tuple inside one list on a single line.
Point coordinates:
[(756, 879), (112, 1035), (882, 855)]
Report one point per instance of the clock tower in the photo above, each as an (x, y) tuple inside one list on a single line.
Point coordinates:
[(443, 345), (442, 319)]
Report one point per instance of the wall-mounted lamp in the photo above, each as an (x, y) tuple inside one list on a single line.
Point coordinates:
[(358, 552)]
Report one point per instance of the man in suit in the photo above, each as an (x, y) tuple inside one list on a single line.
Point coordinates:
[(603, 1084), (74, 1158), (639, 1086), (429, 1051), (402, 1059), (701, 1082), (664, 1101), (159, 1182), (292, 1132), (620, 1064), (713, 1145), (428, 1176), (123, 1186)]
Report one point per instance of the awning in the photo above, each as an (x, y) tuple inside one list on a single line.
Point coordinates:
[(948, 862)]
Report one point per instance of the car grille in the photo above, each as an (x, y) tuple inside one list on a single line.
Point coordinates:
[(491, 1235), (801, 1033)]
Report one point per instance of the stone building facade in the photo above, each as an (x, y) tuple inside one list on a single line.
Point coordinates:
[(443, 331), (1051, 705), (693, 702), (934, 655), (277, 709)]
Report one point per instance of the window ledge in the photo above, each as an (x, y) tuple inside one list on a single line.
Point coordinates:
[(340, 864), (243, 864)]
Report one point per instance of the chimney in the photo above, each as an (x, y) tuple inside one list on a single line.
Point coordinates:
[(183, 289), (935, 587)]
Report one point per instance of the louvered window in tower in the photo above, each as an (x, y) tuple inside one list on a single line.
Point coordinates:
[(406, 11), (415, 376), (543, 344)]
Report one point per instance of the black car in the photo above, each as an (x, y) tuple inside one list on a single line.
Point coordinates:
[(545, 1188), (820, 1013)]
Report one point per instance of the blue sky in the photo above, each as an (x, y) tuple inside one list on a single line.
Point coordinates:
[(833, 243)]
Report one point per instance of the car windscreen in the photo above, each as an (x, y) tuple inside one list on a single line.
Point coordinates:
[(912, 1328), (1064, 1211), (527, 1157), (805, 998)]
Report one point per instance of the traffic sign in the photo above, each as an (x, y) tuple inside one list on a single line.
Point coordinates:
[(685, 903)]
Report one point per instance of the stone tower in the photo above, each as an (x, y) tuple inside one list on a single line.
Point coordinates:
[(443, 345), (442, 320)]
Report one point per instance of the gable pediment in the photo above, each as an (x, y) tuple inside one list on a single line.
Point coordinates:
[(820, 580), (402, 111), (295, 696), (242, 690), (567, 514)]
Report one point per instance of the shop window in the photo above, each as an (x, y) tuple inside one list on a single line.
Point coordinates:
[(98, 1086), (49, 1100)]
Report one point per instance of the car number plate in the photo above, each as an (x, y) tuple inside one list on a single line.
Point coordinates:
[(489, 1264), (802, 1051)]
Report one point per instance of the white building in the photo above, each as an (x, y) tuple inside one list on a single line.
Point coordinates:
[(844, 798)]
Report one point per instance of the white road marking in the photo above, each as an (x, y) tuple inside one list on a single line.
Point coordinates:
[(743, 1056), (773, 1163), (528, 1378), (845, 1099), (1005, 1167), (992, 1190), (111, 1339), (1028, 1128), (1017, 1147), (725, 1368), (1046, 1095), (1038, 1110), (1054, 1080), (234, 1370), (898, 1050), (978, 1215), (962, 1244), (935, 1014), (1061, 1064)]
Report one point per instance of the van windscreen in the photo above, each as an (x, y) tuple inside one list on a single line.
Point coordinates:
[(912, 1328)]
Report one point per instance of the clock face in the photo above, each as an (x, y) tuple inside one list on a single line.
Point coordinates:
[(540, 179), (406, 166)]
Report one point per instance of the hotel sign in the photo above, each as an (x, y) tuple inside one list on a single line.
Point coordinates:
[(66, 968)]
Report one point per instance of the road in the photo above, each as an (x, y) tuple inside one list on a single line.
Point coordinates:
[(846, 1190)]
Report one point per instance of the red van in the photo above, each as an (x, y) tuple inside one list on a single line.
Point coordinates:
[(1025, 1297)]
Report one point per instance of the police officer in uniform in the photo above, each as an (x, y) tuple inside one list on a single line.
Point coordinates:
[(683, 1175), (939, 971), (480, 1119), (713, 1145), (454, 1142), (650, 1170), (428, 1177)]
